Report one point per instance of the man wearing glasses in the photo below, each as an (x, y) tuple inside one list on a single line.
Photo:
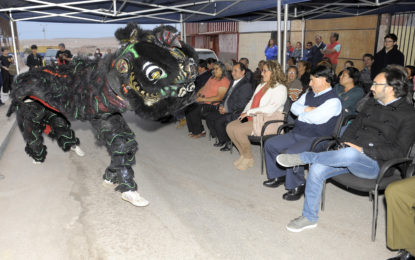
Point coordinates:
[(388, 55), (383, 130)]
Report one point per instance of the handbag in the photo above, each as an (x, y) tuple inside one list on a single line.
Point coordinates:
[(207, 108), (260, 119)]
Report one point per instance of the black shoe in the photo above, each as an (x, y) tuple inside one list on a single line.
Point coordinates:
[(274, 183), (294, 194), (219, 144), (403, 255), (227, 147), (1, 103)]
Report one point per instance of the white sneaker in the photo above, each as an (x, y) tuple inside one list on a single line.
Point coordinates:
[(109, 183), (134, 198), (36, 162), (78, 150)]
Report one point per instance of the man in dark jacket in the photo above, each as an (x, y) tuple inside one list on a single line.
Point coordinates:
[(383, 130), (203, 75), (388, 55), (34, 60), (238, 95)]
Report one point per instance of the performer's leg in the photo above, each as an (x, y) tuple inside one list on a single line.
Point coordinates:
[(29, 118), (120, 142), (61, 130)]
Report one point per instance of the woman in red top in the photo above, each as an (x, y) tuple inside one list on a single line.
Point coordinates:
[(210, 94)]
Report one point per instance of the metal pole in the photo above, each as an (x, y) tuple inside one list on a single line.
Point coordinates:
[(302, 36), (284, 61), (184, 34), (279, 29), (14, 43), (181, 27)]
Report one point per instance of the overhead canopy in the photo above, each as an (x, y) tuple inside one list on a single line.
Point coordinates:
[(143, 12), (168, 11)]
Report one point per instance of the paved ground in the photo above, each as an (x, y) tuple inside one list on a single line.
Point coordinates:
[(201, 207)]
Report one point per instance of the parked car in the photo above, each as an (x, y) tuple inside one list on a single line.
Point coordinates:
[(50, 57), (205, 54)]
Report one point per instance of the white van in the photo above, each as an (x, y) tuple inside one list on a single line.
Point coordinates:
[(205, 54)]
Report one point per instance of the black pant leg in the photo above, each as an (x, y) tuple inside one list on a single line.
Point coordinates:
[(220, 126), (210, 121), (194, 119)]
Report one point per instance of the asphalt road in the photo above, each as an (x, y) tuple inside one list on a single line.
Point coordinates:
[(201, 207)]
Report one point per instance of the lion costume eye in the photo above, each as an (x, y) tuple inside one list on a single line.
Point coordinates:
[(122, 66), (153, 72)]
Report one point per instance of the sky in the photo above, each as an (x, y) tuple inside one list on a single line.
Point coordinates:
[(34, 30)]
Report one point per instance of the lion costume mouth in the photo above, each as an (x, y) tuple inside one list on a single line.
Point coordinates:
[(150, 98)]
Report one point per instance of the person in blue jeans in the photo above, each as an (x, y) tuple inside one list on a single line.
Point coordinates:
[(383, 130)]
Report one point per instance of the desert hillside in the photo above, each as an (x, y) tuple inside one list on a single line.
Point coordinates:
[(75, 45)]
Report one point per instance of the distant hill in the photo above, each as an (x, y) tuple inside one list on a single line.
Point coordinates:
[(75, 45)]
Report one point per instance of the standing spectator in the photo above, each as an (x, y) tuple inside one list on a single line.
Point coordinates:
[(297, 51), (317, 111), (109, 51), (269, 97), (7, 78), (388, 55), (400, 229), (307, 54), (98, 54), (235, 100), (271, 51), (316, 54), (348, 90), (332, 50), (63, 56), (365, 78), (34, 60)]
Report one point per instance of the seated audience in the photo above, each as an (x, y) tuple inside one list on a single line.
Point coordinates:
[(348, 64), (209, 95), (257, 74), (317, 112), (235, 100), (307, 53), (203, 75), (348, 90), (291, 61), (365, 78), (411, 79), (400, 226), (249, 74), (294, 84), (269, 97), (383, 130), (210, 63), (297, 51), (304, 74)]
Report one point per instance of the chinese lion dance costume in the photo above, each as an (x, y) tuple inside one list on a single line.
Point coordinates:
[(152, 73)]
